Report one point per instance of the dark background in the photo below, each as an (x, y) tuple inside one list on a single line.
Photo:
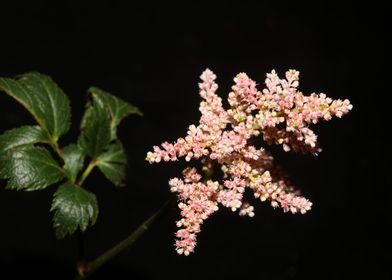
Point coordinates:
[(152, 55)]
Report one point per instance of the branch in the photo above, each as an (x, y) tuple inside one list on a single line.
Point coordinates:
[(87, 172), (88, 268)]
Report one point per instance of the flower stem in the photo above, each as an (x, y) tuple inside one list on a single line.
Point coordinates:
[(89, 267), (87, 172)]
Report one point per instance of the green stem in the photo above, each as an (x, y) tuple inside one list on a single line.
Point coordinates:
[(89, 267), (53, 143), (87, 172)]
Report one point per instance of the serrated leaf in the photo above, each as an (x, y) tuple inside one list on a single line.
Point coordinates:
[(112, 163), (41, 96), (95, 136), (118, 108), (21, 136), (74, 207), (73, 161), (29, 168)]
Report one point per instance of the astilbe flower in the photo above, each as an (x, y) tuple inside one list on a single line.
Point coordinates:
[(280, 114)]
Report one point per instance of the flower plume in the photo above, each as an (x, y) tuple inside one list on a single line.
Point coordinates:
[(279, 114)]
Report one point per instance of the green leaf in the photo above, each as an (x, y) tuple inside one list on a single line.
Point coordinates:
[(41, 96), (73, 161), (24, 135), (112, 163), (118, 108), (95, 137), (74, 207), (29, 168)]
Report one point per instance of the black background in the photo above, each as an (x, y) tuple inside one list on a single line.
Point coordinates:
[(151, 55)]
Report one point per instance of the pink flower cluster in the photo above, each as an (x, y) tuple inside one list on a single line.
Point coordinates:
[(279, 114)]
